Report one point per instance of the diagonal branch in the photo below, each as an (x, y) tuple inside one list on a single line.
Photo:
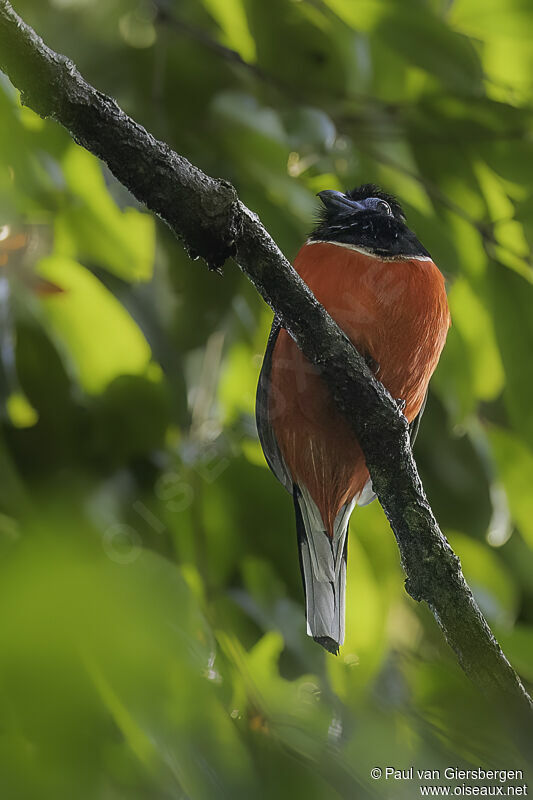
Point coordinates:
[(208, 217)]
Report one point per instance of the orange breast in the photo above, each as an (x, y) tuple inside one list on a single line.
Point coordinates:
[(394, 311)]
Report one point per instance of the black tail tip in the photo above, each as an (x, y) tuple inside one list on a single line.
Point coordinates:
[(328, 644)]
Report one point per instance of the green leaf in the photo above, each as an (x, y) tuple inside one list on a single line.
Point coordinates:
[(241, 109), (508, 231), (518, 646), (126, 400), (13, 495), (511, 299), (419, 36), (231, 16), (238, 383), (134, 735), (492, 585), (509, 63), (497, 19), (295, 710), (366, 617), (362, 16), (454, 471), (94, 228), (453, 377), (429, 44), (470, 253), (514, 462), (310, 129), (101, 339), (21, 412), (474, 323)]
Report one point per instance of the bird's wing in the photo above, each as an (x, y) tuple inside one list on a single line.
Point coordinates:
[(415, 424), (267, 437), (367, 495)]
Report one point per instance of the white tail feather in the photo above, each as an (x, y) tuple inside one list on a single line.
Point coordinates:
[(324, 571)]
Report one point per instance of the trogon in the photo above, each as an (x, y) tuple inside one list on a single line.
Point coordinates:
[(381, 286)]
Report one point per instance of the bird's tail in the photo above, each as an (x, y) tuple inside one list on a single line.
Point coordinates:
[(323, 565)]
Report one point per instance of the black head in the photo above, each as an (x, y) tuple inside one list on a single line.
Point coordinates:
[(369, 218)]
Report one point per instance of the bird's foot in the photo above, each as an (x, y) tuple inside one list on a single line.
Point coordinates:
[(372, 364), (400, 402)]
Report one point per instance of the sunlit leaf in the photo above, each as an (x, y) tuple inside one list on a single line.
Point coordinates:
[(514, 461), (98, 334), (231, 16), (494, 18), (417, 36), (21, 412), (121, 241), (473, 321), (237, 385), (453, 379)]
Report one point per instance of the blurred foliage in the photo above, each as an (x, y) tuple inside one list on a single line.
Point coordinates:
[(153, 639)]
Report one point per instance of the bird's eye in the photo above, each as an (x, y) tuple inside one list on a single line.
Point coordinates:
[(384, 207), (379, 205)]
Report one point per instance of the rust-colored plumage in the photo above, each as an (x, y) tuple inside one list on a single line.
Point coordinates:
[(394, 311)]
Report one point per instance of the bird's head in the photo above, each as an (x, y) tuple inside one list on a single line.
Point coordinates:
[(369, 219), (367, 200)]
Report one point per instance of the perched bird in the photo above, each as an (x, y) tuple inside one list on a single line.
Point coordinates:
[(382, 288)]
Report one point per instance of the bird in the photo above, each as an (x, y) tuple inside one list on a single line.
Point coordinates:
[(383, 289)]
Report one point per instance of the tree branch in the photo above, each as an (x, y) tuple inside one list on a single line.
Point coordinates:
[(208, 217)]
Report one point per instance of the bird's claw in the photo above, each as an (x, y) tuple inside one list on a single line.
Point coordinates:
[(372, 364)]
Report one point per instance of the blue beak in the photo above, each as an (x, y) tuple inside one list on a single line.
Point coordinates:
[(339, 202)]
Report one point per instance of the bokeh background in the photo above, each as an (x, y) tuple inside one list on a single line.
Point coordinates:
[(152, 635)]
